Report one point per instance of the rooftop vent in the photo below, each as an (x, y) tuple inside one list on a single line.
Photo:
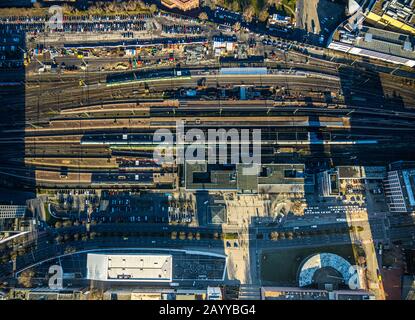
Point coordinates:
[(407, 46), (368, 37)]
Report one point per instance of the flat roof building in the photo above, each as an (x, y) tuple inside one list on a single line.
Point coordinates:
[(284, 178), (265, 178), (399, 188), (12, 211), (396, 14), (279, 19), (214, 293), (377, 44), (329, 181), (293, 293), (362, 172), (129, 267), (199, 175)]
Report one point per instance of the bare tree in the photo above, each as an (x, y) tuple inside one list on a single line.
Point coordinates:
[(67, 223), (274, 235), (270, 3), (249, 13), (203, 16), (26, 278), (236, 6), (263, 15), (153, 8), (59, 239)]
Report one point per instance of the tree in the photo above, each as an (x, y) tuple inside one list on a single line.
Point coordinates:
[(153, 8), (249, 13), (59, 239), (13, 255), (263, 15), (5, 258), (236, 6), (131, 6), (21, 251), (270, 3), (361, 260), (67, 223), (96, 294), (141, 4), (274, 235), (109, 7), (69, 249), (212, 5), (66, 8), (203, 16), (25, 278)]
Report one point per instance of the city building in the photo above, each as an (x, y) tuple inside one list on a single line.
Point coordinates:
[(224, 44), (267, 178), (214, 293), (288, 293), (12, 211), (184, 5), (329, 181), (394, 14), (361, 172), (203, 176), (279, 19), (399, 187), (129, 267), (283, 178), (375, 43)]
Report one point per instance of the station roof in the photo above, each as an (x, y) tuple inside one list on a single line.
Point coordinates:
[(129, 267), (203, 176)]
